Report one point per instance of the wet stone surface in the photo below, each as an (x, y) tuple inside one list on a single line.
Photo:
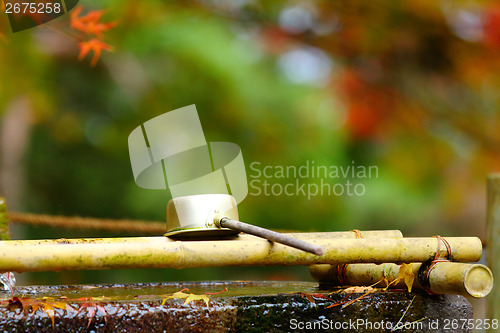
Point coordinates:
[(244, 307)]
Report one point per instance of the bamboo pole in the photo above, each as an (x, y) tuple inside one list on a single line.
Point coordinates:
[(493, 247), (338, 234), (162, 252), (444, 278), (4, 221)]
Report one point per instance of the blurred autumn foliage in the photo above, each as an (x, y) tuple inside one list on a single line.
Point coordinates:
[(90, 24), (410, 87)]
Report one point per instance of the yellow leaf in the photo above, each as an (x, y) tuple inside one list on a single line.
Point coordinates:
[(34, 307), (194, 297), (191, 297), (178, 295), (358, 289), (406, 274), (50, 312), (358, 233), (49, 304)]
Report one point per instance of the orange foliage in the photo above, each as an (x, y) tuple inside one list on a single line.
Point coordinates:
[(46, 304), (90, 24), (2, 35), (274, 40), (95, 45), (491, 27), (368, 105), (92, 308)]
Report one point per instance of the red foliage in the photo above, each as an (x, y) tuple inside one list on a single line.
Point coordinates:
[(90, 24), (491, 26), (92, 308), (368, 106), (95, 45), (274, 40)]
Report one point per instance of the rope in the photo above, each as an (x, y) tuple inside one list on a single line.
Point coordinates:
[(342, 275), (424, 273), (131, 226), (448, 248)]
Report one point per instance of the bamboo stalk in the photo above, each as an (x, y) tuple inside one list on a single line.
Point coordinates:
[(444, 278), (4, 221), (493, 248), (162, 252), (337, 234)]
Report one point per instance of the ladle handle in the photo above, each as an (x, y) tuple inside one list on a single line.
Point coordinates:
[(271, 235)]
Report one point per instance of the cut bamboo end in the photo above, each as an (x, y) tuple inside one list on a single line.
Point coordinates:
[(465, 279), (444, 277)]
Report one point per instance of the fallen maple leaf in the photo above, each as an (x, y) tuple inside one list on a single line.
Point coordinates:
[(367, 291), (191, 297), (365, 295), (357, 233), (95, 45), (178, 295), (15, 302), (358, 289), (311, 297), (194, 297), (92, 307), (46, 304), (49, 305), (406, 273)]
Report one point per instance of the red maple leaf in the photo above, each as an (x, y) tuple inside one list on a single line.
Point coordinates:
[(312, 296), (90, 23), (92, 307), (95, 45), (45, 304)]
